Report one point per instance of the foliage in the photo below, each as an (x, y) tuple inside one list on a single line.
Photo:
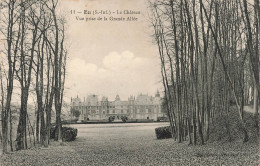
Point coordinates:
[(124, 118), (75, 112), (111, 118), (163, 132), (68, 133), (227, 128)]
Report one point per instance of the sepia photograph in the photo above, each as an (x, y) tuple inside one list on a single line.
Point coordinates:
[(129, 82)]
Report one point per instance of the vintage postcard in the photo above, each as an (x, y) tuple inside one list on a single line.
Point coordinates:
[(129, 82)]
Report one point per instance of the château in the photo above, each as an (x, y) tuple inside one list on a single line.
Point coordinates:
[(141, 107)]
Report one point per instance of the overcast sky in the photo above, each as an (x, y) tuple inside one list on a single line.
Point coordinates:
[(109, 58)]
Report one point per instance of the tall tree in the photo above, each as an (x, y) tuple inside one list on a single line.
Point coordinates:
[(202, 49), (12, 42)]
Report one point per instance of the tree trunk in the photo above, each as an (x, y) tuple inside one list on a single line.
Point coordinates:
[(11, 131), (21, 138), (37, 126)]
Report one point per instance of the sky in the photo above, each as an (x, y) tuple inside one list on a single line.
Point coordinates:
[(110, 57), (107, 58)]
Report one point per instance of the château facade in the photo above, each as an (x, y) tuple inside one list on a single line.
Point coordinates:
[(141, 107)]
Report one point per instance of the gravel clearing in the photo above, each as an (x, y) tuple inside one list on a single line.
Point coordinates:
[(132, 144)]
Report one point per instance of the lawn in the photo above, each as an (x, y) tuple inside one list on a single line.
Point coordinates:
[(132, 144)]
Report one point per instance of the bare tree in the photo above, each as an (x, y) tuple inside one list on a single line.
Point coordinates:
[(59, 62), (12, 37), (196, 53)]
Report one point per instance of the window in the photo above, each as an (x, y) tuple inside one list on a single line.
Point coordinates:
[(122, 111)]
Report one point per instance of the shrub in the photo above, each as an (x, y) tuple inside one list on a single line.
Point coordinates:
[(68, 133), (75, 113), (162, 119), (111, 118), (163, 132), (124, 118), (226, 127)]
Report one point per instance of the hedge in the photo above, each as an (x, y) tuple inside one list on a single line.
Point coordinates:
[(68, 133), (163, 132)]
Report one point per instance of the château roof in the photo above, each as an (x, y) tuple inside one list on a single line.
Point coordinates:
[(104, 98), (117, 98)]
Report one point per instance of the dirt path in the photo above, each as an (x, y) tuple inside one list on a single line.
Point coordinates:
[(132, 145)]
